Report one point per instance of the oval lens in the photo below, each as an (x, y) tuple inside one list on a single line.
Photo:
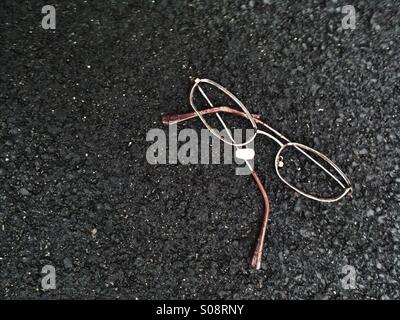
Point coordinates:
[(229, 97), (310, 173)]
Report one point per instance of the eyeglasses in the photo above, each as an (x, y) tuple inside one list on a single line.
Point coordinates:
[(283, 143)]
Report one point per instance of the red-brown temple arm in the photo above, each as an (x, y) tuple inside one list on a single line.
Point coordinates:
[(171, 119), (258, 251)]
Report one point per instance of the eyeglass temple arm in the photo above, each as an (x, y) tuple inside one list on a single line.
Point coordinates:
[(259, 248), (176, 118)]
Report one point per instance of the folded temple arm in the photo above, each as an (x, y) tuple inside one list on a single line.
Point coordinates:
[(171, 119)]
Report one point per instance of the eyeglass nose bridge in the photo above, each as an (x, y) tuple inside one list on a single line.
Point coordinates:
[(231, 96), (302, 148)]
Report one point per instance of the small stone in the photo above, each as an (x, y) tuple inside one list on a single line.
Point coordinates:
[(24, 192), (314, 88), (14, 131), (93, 232), (298, 206), (363, 152), (67, 263)]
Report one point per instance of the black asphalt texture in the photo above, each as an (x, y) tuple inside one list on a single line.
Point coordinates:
[(77, 192)]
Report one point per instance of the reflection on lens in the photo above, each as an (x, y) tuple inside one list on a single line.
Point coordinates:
[(310, 173), (202, 95)]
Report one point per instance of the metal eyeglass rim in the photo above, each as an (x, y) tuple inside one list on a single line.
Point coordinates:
[(298, 146)]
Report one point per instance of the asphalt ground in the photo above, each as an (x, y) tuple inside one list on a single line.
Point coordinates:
[(76, 190)]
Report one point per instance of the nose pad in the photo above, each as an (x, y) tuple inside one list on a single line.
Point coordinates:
[(245, 153), (280, 162)]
